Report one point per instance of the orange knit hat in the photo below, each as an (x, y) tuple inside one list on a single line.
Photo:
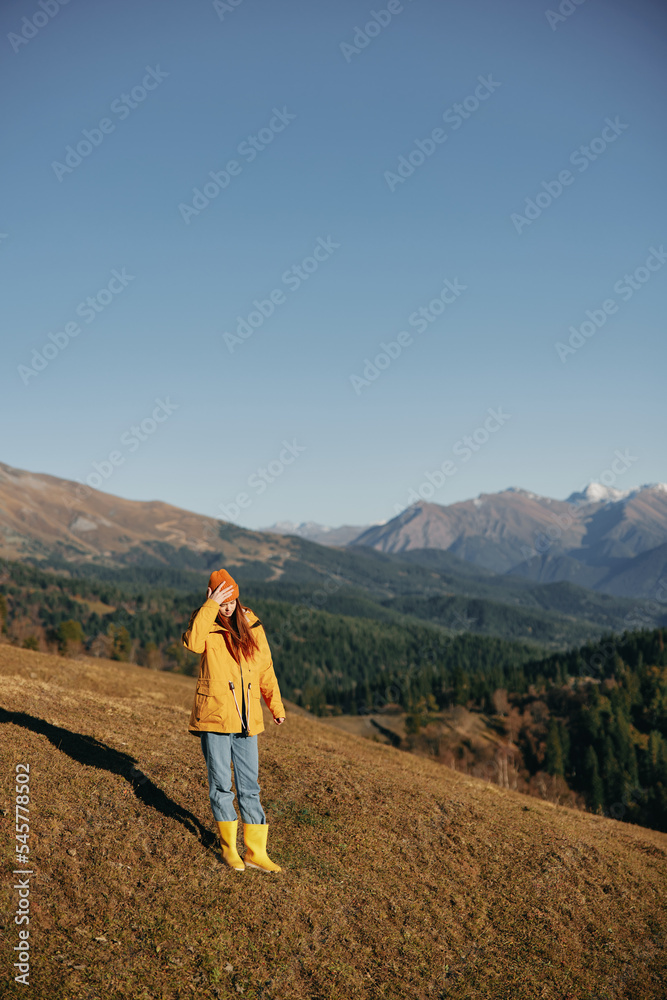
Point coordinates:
[(222, 576)]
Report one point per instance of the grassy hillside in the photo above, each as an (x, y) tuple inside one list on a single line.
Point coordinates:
[(401, 878)]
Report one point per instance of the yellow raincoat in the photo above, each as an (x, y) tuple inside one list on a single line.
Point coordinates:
[(216, 709)]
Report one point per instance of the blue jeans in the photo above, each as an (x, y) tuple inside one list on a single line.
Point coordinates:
[(221, 749)]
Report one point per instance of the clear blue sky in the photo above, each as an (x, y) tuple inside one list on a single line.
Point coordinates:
[(219, 77)]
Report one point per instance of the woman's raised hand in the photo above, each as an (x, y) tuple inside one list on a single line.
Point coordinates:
[(221, 594)]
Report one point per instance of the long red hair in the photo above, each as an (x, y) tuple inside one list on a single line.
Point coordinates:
[(239, 637)]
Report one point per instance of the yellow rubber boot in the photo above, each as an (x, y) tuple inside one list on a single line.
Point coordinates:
[(255, 835), (232, 857)]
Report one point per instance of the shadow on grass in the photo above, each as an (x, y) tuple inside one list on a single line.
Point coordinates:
[(90, 752)]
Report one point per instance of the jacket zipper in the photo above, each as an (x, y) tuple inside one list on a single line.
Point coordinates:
[(245, 725)]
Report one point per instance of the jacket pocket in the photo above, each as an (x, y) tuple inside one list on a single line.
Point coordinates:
[(208, 707)]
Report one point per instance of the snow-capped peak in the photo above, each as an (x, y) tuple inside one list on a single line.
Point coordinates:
[(599, 493)]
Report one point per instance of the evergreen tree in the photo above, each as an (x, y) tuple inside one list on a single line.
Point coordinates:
[(565, 743), (593, 780), (612, 776), (554, 754)]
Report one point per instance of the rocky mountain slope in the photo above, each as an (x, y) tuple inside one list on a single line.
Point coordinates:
[(589, 539)]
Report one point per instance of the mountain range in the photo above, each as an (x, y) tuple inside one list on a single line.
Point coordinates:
[(605, 539), (511, 564)]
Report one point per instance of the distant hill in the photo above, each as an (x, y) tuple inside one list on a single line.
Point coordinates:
[(589, 539), (319, 533), (44, 518), (401, 878)]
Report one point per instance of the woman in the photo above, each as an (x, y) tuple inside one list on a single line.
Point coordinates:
[(235, 669)]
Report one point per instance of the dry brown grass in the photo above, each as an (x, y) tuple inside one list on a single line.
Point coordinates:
[(401, 878)]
